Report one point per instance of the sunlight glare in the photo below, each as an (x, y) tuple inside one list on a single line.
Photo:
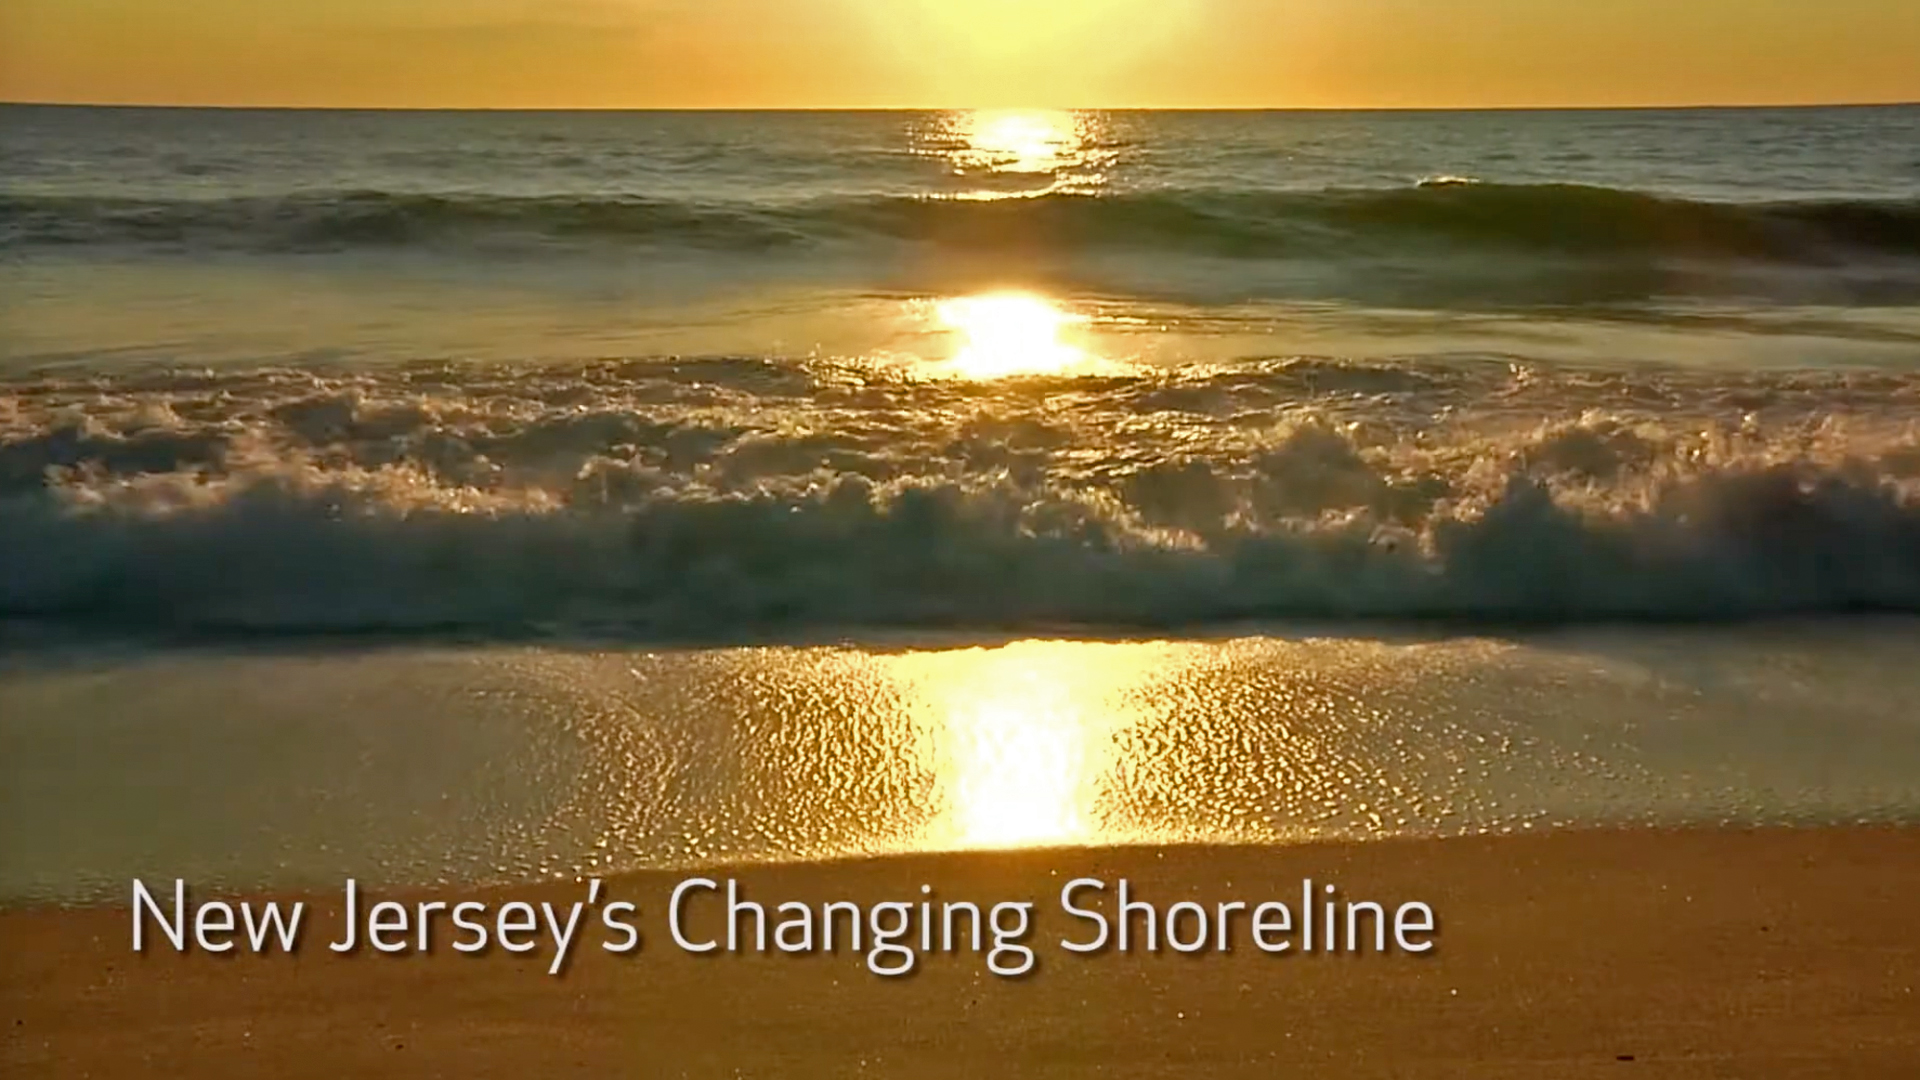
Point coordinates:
[(1024, 737), (1024, 142), (1012, 154), (1009, 334)]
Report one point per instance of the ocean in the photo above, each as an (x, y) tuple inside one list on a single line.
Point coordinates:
[(499, 495)]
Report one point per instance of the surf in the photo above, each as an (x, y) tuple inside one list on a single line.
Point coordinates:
[(1566, 218), (720, 499)]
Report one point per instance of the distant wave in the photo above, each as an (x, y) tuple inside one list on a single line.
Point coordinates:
[(1548, 218), (320, 222), (729, 497)]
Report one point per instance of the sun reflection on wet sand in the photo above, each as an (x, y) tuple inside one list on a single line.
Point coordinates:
[(1023, 740), (1021, 775)]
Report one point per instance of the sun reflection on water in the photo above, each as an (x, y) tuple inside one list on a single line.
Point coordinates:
[(1010, 154), (1021, 141), (1005, 334), (999, 154)]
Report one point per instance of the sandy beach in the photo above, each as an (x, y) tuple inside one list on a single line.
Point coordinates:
[(1773, 953)]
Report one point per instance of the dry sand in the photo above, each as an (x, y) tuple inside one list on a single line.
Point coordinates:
[(1630, 953)]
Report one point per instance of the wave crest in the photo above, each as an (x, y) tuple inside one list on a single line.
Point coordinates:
[(653, 499), (1561, 218)]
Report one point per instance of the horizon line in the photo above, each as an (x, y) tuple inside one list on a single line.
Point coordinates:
[(1641, 107)]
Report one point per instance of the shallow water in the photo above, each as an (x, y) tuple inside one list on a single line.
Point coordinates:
[(416, 765)]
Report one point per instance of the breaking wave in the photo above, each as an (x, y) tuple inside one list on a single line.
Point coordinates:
[(740, 496), (1543, 218)]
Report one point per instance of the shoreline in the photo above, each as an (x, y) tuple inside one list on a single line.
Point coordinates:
[(1339, 848), (289, 769), (33, 644), (1706, 952)]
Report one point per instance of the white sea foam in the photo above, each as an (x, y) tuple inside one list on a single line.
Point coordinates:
[(725, 495)]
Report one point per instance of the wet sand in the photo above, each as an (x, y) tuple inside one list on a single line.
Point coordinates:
[(1780, 953)]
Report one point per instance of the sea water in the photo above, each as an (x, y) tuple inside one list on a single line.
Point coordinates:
[(352, 465)]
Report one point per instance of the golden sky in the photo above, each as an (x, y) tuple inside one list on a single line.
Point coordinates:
[(953, 53)]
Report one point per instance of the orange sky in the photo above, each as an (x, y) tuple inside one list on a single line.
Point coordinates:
[(882, 53)]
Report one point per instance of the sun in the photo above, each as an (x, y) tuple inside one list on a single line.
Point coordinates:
[(1006, 334)]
